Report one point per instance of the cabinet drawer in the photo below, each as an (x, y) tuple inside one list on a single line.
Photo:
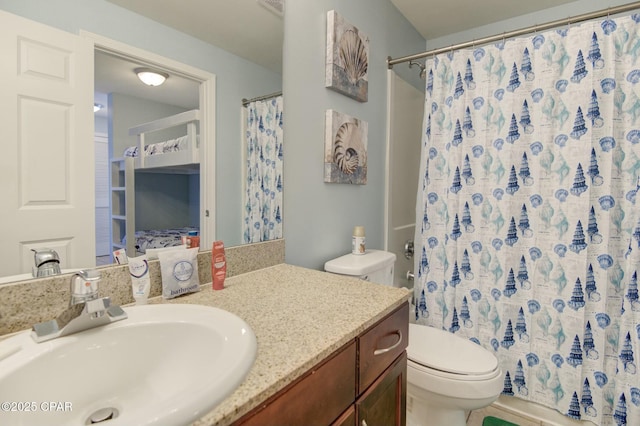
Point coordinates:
[(381, 345), (317, 398)]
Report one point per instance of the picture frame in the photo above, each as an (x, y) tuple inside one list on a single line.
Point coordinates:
[(345, 154), (347, 58)]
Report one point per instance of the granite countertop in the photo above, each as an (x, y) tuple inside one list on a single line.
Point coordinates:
[(299, 316)]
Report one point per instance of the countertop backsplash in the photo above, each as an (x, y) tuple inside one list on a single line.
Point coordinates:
[(25, 303)]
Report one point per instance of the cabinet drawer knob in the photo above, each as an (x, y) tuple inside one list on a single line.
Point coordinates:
[(392, 347)]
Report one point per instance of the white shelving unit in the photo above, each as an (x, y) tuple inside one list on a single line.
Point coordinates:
[(123, 204)]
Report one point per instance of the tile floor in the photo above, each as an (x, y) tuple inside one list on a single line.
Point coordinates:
[(477, 416), (518, 412)]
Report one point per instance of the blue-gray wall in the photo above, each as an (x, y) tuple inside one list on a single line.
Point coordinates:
[(236, 78), (319, 217), (127, 111), (162, 200)]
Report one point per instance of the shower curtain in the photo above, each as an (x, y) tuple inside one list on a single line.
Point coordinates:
[(263, 193), (527, 230)]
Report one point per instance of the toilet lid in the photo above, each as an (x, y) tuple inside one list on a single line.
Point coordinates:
[(444, 351)]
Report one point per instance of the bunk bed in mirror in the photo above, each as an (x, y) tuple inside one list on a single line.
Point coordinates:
[(156, 161)]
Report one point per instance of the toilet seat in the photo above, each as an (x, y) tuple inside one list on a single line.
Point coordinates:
[(452, 377), (443, 354)]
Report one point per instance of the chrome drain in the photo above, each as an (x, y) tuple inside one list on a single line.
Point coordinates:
[(102, 415)]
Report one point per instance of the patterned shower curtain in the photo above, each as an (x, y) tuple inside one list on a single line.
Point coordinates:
[(528, 215), (263, 194)]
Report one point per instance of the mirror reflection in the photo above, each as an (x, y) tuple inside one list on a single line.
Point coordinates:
[(169, 203), (147, 159)]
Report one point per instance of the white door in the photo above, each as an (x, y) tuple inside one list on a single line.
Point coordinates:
[(405, 112), (46, 159)]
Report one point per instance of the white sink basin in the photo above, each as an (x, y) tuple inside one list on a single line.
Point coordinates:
[(164, 365)]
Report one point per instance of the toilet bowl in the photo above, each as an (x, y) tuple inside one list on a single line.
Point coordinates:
[(447, 376)]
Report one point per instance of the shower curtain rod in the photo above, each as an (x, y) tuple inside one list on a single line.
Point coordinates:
[(541, 27), (246, 102)]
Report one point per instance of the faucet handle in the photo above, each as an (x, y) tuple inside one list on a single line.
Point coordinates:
[(47, 262), (44, 255), (84, 286), (97, 305)]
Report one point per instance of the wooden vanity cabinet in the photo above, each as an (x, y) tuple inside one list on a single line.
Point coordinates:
[(362, 384), (316, 398), (384, 403)]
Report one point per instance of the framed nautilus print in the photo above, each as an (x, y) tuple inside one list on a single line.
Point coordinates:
[(347, 60), (345, 149)]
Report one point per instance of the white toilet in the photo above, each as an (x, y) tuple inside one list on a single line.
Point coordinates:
[(375, 266), (447, 375)]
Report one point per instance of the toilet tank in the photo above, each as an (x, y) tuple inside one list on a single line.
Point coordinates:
[(375, 266)]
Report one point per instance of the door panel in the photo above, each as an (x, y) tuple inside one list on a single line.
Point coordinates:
[(43, 148), (46, 166)]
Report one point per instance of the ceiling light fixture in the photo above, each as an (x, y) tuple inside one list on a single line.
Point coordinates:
[(151, 77), (97, 107)]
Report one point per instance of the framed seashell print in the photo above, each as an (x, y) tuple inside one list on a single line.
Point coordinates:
[(345, 149), (347, 61)]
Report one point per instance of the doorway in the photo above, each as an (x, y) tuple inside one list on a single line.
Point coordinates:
[(124, 57)]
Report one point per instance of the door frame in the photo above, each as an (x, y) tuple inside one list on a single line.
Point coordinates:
[(207, 108), (387, 159)]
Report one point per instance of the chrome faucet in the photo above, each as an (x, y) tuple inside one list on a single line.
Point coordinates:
[(84, 287), (86, 310), (47, 262)]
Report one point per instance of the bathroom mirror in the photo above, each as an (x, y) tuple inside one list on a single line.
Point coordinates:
[(228, 31)]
